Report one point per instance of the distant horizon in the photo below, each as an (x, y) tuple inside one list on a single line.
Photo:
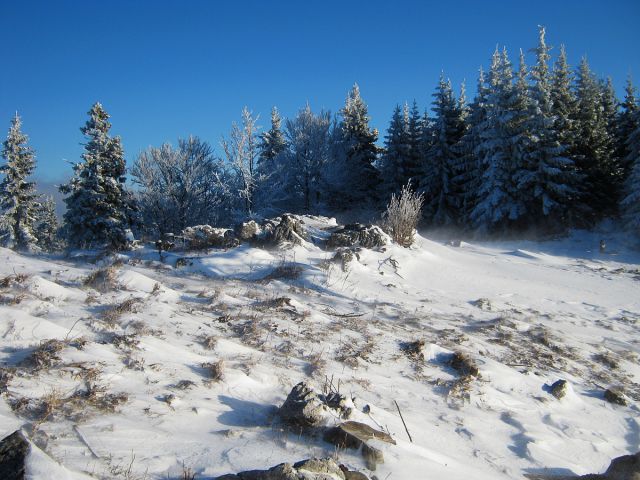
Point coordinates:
[(164, 71)]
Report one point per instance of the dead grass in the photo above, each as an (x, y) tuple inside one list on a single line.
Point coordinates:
[(285, 271), (316, 364), (46, 355), (103, 279), (209, 341), (111, 316), (15, 279), (215, 370)]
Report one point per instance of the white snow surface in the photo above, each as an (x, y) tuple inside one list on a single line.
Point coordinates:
[(548, 311)]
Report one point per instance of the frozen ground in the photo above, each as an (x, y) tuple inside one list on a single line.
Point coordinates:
[(124, 394)]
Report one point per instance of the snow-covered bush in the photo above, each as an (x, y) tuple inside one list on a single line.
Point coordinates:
[(402, 214)]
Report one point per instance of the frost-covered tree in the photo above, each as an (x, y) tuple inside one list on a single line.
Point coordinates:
[(469, 168), (440, 191), (502, 149), (563, 101), (304, 161), (272, 143), (627, 123), (18, 197), (356, 180), (396, 150), (549, 176), (593, 146), (46, 226), (99, 209), (630, 204), (181, 187), (242, 152)]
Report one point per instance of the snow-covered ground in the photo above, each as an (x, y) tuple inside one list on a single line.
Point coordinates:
[(528, 313)]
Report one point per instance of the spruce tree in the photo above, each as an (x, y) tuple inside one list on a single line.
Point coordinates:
[(396, 151), (440, 190), (272, 143), (630, 204), (418, 127), (469, 166), (18, 197), (550, 178), (593, 147), (99, 209), (504, 141), (46, 226), (627, 124), (359, 180)]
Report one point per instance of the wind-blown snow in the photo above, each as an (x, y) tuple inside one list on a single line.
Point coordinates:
[(529, 313)]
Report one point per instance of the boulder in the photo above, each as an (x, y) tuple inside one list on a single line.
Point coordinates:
[(344, 256), (626, 467), (559, 389), (288, 230), (247, 231), (200, 237), (615, 395), (355, 435), (312, 469), (303, 407), (14, 450), (357, 235)]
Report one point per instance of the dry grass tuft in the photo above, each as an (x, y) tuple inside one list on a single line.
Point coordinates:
[(103, 279), (215, 370), (112, 314)]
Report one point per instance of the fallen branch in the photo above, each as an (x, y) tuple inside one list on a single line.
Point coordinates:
[(403, 423)]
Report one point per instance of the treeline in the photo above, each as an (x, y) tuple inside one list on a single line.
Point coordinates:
[(543, 147)]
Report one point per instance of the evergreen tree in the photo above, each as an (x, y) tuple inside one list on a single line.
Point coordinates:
[(46, 227), (99, 209), (550, 177), (504, 143), (440, 191), (358, 180), (418, 126), (593, 147), (18, 198), (469, 166), (627, 124), (396, 151), (631, 202), (273, 142)]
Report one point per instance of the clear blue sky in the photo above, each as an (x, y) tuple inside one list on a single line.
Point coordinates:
[(165, 69)]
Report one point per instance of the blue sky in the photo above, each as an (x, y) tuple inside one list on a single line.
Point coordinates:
[(167, 69)]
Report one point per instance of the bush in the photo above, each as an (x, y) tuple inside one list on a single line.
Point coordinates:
[(402, 215)]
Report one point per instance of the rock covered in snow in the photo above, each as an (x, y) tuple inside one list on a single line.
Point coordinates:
[(205, 236), (287, 229), (559, 389), (311, 469), (357, 435), (626, 467), (247, 231), (358, 235), (303, 407)]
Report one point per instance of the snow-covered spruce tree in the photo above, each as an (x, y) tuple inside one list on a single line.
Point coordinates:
[(418, 130), (630, 204), (99, 209), (440, 191), (627, 124), (563, 101), (396, 150), (469, 169), (18, 197), (504, 143), (549, 175), (181, 187), (308, 139), (355, 181), (593, 146), (272, 143), (242, 151), (46, 226)]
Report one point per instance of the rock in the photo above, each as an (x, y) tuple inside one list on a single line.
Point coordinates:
[(356, 435), (615, 395), (358, 235), (14, 450), (351, 475), (464, 364), (288, 230), (247, 231), (344, 256), (340, 403), (312, 469), (322, 466), (626, 467), (303, 407), (205, 236), (559, 389)]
